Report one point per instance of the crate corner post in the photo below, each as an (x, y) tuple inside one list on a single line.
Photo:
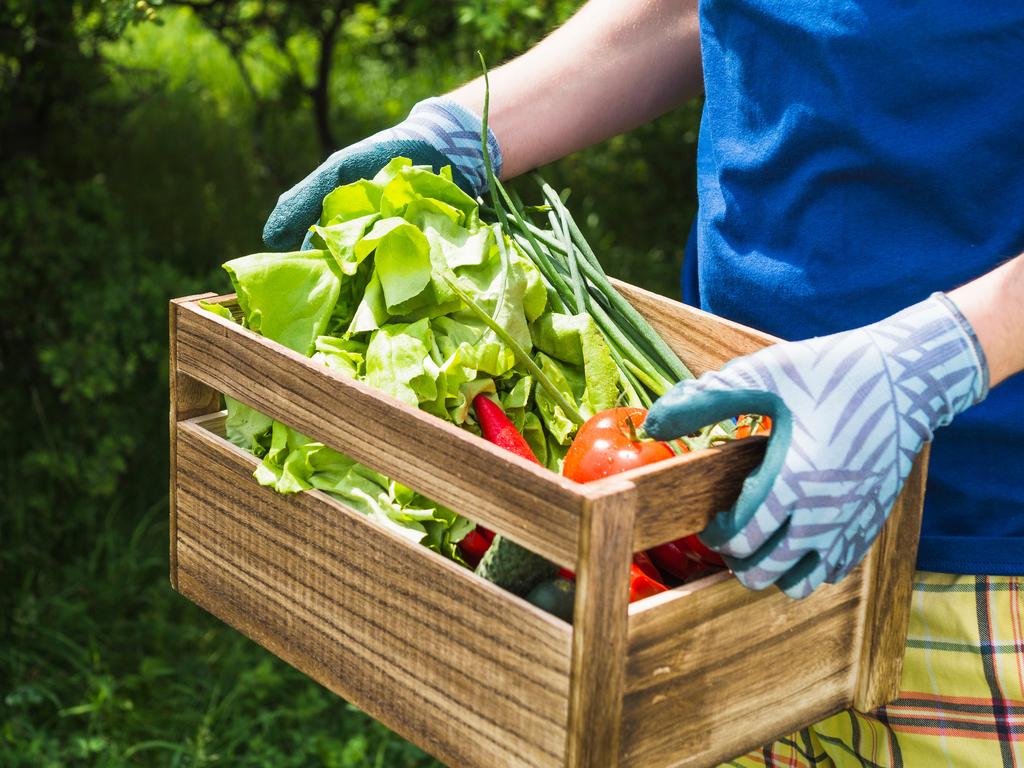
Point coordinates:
[(600, 624), (188, 398), (887, 595)]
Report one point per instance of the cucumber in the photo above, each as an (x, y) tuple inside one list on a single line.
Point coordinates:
[(513, 567), (555, 596)]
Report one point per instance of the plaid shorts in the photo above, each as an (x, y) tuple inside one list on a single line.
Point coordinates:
[(961, 702)]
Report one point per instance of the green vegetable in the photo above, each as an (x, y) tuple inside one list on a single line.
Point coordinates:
[(287, 297), (556, 596), (513, 567), (410, 291)]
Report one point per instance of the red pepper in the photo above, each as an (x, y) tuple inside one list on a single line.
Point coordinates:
[(700, 551), (643, 578), (497, 428), (674, 559), (685, 558), (641, 585), (473, 546), (643, 562)]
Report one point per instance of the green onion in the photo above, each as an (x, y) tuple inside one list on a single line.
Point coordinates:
[(521, 355), (576, 283)]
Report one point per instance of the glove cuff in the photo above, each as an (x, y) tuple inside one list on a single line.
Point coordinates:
[(974, 346), (936, 365), (454, 131)]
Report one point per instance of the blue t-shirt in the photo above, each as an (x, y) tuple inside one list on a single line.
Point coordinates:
[(854, 157)]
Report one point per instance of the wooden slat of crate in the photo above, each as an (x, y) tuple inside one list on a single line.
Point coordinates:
[(888, 589), (481, 480), (723, 670), (188, 398), (469, 672), (679, 496), (702, 340)]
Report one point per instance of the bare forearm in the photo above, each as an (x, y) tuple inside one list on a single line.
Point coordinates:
[(994, 306), (611, 67)]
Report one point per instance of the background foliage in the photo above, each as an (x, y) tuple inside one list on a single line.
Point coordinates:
[(142, 144)]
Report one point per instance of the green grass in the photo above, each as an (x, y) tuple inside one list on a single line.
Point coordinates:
[(104, 665)]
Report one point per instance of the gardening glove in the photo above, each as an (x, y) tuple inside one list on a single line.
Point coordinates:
[(437, 132), (850, 412)]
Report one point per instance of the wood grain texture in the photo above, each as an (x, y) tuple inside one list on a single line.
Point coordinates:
[(526, 502), (888, 590), (470, 673), (715, 669), (704, 342), (679, 496), (691, 677), (599, 627), (188, 398)]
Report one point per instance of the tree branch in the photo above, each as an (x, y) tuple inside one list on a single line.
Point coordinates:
[(321, 87)]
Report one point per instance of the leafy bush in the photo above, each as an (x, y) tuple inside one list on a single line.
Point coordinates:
[(137, 159)]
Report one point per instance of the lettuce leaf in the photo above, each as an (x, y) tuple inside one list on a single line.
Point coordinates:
[(287, 297), (246, 427), (351, 201), (345, 355), (577, 341), (398, 362), (343, 238)]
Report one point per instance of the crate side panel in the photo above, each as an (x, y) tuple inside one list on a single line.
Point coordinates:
[(187, 399), (724, 670), (704, 342), (451, 663), (888, 593), (526, 502)]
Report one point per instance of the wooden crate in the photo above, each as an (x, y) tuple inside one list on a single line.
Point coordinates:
[(469, 672)]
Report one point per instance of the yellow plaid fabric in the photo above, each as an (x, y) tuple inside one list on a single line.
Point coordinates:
[(961, 702)]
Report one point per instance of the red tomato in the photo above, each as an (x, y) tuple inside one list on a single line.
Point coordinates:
[(607, 444)]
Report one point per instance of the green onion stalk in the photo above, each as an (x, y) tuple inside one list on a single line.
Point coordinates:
[(577, 283)]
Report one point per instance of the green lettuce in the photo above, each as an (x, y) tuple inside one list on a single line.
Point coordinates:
[(287, 297), (374, 302), (398, 362)]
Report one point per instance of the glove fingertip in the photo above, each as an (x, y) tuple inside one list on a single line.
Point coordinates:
[(809, 574), (798, 590), (307, 241), (663, 418), (752, 581), (285, 226)]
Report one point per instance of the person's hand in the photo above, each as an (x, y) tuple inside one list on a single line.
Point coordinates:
[(437, 132), (850, 412)]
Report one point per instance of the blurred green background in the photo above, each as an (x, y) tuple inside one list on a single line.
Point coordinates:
[(141, 145)]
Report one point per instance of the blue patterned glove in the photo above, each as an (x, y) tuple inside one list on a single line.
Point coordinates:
[(437, 132), (850, 412)]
